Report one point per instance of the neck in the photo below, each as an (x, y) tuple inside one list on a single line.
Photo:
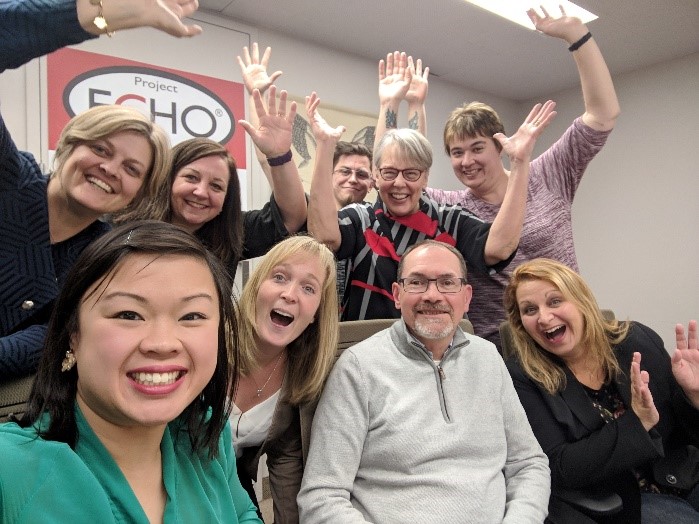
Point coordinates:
[(267, 353), (65, 220), (132, 447), (494, 193), (436, 346), (190, 228)]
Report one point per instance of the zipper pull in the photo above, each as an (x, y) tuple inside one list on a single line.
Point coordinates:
[(442, 375)]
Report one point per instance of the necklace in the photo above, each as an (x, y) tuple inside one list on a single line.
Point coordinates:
[(259, 390)]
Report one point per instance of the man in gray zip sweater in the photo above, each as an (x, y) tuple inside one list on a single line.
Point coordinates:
[(421, 423)]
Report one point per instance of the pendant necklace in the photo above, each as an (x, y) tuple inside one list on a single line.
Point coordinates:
[(259, 390)]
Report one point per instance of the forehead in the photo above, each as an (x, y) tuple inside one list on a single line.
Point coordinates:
[(431, 260), (305, 264), (354, 160), (147, 273), (533, 288), (392, 155), (213, 166), (465, 142)]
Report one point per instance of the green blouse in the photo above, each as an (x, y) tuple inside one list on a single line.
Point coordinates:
[(48, 482)]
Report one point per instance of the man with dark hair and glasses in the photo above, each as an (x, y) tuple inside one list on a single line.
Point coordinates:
[(375, 236), (352, 181), (421, 422), (352, 178)]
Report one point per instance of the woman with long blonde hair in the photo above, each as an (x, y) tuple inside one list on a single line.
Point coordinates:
[(287, 317), (609, 407)]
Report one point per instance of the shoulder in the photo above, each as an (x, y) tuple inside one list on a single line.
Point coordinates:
[(34, 469), (641, 337)]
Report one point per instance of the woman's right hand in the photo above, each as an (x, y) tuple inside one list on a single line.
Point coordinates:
[(641, 398), (272, 135)]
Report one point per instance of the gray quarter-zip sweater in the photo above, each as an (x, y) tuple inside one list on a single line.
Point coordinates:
[(397, 438)]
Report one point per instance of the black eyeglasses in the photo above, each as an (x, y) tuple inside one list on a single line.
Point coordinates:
[(421, 284), (346, 172), (390, 173)]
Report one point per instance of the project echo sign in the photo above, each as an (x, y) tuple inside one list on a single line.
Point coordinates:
[(185, 105)]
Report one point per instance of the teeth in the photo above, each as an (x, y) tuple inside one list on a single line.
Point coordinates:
[(156, 379), (283, 314), (551, 333), (196, 204), (97, 182)]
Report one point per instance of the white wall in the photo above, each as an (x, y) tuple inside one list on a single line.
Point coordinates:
[(635, 214)]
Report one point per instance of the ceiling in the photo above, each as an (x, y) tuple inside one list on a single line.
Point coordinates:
[(467, 46)]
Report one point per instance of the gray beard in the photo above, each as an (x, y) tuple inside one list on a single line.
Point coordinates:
[(430, 330)]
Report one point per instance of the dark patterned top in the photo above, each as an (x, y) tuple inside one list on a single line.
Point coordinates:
[(610, 405), (375, 241)]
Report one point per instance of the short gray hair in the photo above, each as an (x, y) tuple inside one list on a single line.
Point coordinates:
[(410, 143)]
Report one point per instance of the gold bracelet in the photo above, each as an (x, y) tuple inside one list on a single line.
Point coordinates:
[(99, 21)]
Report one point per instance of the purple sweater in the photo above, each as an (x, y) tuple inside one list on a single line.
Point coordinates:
[(548, 229)]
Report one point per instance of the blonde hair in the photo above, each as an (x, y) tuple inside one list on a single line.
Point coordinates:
[(598, 334), (103, 121), (312, 354)]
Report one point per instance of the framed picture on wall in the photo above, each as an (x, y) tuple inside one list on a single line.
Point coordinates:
[(360, 128)]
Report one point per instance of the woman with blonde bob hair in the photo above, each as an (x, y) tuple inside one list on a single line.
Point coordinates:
[(609, 407), (288, 327)]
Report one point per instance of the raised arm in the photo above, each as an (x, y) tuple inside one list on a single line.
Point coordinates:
[(685, 361), (507, 227), (273, 137), (601, 103), (254, 71), (322, 213), (416, 96), (38, 28)]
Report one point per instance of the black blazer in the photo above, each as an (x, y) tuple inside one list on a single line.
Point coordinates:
[(583, 450)]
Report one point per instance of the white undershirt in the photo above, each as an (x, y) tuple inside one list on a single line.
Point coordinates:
[(250, 429)]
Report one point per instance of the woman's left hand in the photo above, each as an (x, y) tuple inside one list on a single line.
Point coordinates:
[(685, 361), (273, 135), (519, 146)]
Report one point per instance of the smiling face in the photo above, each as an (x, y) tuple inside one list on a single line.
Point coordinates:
[(476, 162), (147, 341), (351, 188), (288, 301), (432, 317), (199, 191), (402, 198), (551, 319), (104, 176)]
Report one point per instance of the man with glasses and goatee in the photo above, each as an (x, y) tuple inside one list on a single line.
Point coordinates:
[(421, 422)]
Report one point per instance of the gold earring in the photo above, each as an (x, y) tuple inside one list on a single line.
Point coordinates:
[(68, 361)]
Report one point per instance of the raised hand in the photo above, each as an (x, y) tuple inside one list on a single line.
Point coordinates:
[(685, 361), (417, 91), (568, 28), (165, 15), (519, 146), (272, 135), (395, 77), (641, 398), (254, 69), (322, 131)]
